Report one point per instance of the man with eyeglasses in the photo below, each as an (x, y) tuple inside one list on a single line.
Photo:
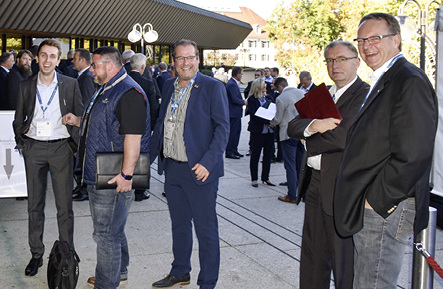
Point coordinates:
[(382, 189), (117, 118), (322, 248), (189, 139)]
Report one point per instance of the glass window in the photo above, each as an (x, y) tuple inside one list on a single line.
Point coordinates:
[(14, 43)]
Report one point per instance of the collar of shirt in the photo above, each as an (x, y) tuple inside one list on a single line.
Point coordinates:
[(53, 82), (81, 72), (376, 74), (7, 70), (333, 90), (269, 79)]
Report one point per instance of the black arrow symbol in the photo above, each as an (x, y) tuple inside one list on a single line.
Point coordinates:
[(8, 167)]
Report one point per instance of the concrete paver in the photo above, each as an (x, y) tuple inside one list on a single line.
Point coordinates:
[(260, 236)]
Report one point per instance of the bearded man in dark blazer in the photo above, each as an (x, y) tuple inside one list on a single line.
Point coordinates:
[(323, 250), (382, 188)]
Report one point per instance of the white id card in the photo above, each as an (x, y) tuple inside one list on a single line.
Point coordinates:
[(43, 128), (169, 129)]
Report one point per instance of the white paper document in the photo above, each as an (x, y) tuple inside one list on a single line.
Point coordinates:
[(267, 113)]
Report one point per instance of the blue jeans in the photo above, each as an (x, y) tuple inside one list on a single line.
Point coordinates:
[(109, 211), (289, 155), (380, 246)]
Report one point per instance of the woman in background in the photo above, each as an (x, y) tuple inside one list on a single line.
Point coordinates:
[(262, 136)]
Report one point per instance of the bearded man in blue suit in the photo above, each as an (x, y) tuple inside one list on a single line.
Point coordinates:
[(189, 139)]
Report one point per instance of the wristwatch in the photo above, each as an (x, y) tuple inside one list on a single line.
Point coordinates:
[(126, 177)]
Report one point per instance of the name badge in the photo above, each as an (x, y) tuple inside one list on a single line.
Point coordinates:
[(43, 128), (169, 129)]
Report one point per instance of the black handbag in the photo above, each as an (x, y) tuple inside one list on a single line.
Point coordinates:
[(63, 267), (109, 164)]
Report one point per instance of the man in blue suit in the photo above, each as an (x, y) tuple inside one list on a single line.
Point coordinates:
[(190, 138), (236, 103)]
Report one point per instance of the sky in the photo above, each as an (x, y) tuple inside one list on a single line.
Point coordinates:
[(263, 8)]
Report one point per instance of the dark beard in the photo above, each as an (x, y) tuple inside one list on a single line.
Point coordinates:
[(25, 71)]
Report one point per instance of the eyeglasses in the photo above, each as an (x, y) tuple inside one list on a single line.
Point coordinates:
[(183, 58), (372, 39), (338, 60), (94, 64)]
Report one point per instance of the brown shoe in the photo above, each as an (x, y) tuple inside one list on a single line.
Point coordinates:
[(91, 280), (286, 199)]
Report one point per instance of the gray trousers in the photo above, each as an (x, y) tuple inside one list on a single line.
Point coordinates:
[(41, 158)]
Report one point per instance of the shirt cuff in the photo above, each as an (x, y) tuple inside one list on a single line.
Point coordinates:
[(308, 133)]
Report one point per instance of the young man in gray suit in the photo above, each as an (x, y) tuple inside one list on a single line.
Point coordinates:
[(47, 145)]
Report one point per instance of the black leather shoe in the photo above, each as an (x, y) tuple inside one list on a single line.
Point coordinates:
[(239, 154), (81, 197), (268, 182), (232, 156), (141, 195), (283, 184), (170, 280), (33, 266)]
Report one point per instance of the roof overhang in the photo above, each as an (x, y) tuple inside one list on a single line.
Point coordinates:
[(114, 19)]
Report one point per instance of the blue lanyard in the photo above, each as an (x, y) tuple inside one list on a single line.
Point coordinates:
[(50, 99), (174, 105), (389, 66), (93, 99)]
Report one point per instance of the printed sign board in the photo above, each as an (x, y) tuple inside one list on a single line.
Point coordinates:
[(12, 169)]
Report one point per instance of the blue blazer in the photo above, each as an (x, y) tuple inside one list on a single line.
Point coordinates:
[(236, 101), (206, 129)]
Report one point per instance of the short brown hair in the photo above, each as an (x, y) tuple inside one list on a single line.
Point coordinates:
[(50, 42)]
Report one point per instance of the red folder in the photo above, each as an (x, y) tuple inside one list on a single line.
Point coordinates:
[(318, 104)]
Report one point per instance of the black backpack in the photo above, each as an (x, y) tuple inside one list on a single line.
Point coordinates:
[(62, 266)]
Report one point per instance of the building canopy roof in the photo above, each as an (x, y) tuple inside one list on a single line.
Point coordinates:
[(114, 19)]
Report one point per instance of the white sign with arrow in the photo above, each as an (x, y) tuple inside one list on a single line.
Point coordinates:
[(12, 170)]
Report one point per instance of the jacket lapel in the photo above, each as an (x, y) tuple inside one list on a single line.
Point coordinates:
[(381, 85)]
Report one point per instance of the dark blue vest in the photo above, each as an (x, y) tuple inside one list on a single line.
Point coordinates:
[(103, 128)]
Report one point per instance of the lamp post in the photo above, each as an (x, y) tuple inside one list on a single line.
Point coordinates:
[(146, 33), (408, 28)]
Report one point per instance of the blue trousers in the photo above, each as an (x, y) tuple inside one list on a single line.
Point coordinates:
[(191, 203), (234, 136), (289, 155), (109, 211)]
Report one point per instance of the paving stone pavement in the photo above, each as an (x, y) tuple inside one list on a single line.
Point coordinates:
[(260, 236)]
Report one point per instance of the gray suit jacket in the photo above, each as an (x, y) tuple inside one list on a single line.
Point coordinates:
[(69, 99), (286, 110)]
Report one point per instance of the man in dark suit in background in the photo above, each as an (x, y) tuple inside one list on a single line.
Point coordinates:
[(194, 112), (383, 182), (236, 103), (322, 248), (126, 58), (138, 65), (6, 63), (47, 146), (19, 72), (163, 75), (81, 63), (306, 83), (258, 73)]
